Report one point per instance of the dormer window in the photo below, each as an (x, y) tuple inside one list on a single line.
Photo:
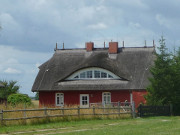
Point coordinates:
[(92, 73)]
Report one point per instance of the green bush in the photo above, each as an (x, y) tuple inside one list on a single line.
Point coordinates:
[(16, 99)]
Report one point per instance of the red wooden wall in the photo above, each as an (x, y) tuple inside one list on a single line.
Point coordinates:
[(138, 97), (73, 97)]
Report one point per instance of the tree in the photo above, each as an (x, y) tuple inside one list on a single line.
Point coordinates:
[(176, 79), (9, 88), (161, 88), (165, 81)]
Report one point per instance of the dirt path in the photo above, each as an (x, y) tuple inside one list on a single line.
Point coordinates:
[(60, 130)]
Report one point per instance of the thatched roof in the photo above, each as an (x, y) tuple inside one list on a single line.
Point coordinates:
[(131, 64)]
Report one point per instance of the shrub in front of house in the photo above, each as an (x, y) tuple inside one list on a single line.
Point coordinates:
[(16, 99)]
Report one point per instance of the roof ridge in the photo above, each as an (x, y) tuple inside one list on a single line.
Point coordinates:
[(104, 48)]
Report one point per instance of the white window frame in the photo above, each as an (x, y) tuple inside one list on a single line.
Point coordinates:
[(93, 69), (56, 98), (81, 100), (103, 95)]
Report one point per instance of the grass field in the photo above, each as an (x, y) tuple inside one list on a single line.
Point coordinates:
[(35, 103), (138, 126)]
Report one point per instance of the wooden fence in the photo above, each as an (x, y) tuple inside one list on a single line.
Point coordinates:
[(24, 114), (145, 111)]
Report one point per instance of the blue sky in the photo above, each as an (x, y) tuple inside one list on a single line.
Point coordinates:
[(31, 28)]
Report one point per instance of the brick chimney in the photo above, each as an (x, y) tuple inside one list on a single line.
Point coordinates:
[(89, 46), (113, 47)]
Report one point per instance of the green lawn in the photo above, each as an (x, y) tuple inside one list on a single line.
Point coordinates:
[(138, 126)]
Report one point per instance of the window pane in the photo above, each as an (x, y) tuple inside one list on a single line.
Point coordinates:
[(110, 76), (96, 74), (57, 100), (89, 74), (104, 98), (76, 76), (61, 99), (84, 102), (103, 75), (83, 75), (107, 97)]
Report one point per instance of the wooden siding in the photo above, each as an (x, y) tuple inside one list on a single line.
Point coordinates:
[(73, 97), (138, 97)]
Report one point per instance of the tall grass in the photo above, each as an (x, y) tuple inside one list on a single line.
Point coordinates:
[(84, 114)]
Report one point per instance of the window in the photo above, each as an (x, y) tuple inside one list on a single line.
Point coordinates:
[(84, 100), (96, 74), (59, 99), (106, 98), (89, 74), (110, 76), (83, 75), (76, 76), (103, 75), (92, 73)]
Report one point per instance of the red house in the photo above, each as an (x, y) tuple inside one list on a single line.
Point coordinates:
[(94, 75)]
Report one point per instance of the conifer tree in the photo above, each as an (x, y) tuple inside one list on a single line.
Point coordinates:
[(160, 89), (176, 80)]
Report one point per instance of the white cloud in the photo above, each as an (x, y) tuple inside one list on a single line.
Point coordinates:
[(163, 21), (37, 3), (97, 26), (134, 25), (134, 3), (12, 71), (12, 61), (9, 23)]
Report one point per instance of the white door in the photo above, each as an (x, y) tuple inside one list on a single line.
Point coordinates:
[(106, 98), (59, 99), (84, 100)]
